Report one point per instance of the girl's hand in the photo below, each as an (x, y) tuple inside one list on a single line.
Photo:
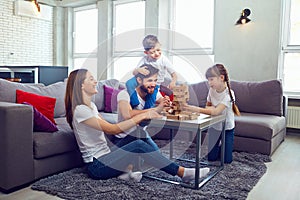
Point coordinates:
[(143, 70), (191, 108)]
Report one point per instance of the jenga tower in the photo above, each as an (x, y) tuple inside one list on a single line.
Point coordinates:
[(181, 96)]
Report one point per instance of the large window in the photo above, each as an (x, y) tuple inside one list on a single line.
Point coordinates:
[(191, 48), (290, 65), (85, 38), (190, 19), (127, 46)]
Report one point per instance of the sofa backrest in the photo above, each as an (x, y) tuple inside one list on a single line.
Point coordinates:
[(198, 93), (56, 90), (99, 98), (265, 97)]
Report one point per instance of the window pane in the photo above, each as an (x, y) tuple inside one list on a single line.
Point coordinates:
[(291, 72), (192, 68), (201, 12), (130, 22), (86, 25), (295, 23), (123, 67), (86, 63)]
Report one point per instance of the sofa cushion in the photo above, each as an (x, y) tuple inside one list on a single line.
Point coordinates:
[(99, 97), (49, 144), (56, 90), (43, 104), (41, 122), (259, 97), (110, 99), (258, 126)]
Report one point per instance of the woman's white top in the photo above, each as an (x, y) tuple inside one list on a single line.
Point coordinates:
[(91, 142)]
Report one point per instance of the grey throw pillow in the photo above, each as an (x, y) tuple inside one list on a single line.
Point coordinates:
[(56, 90), (264, 97)]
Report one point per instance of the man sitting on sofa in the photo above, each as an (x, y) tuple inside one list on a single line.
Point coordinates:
[(146, 96)]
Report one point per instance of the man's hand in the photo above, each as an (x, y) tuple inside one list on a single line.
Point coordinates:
[(143, 70), (165, 102)]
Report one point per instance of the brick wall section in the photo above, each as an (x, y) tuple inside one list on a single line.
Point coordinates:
[(24, 40)]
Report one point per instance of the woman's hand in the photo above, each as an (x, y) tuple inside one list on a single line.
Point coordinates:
[(152, 114)]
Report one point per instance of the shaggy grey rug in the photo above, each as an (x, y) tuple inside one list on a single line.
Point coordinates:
[(235, 181)]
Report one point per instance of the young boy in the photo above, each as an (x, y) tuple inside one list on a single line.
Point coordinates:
[(154, 57)]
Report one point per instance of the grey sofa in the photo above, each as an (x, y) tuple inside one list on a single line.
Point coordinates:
[(26, 156), (262, 124)]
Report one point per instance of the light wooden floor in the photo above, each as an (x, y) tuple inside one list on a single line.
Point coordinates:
[(281, 181)]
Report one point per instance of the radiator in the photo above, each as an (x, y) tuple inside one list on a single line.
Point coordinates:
[(293, 117)]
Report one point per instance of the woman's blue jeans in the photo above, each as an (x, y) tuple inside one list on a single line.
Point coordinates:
[(144, 135), (115, 163), (214, 137)]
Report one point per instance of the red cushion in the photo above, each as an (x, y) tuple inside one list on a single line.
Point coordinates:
[(43, 104)]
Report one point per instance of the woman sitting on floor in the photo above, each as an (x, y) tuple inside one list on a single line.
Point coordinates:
[(89, 127)]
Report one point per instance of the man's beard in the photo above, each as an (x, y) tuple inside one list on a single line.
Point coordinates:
[(148, 90)]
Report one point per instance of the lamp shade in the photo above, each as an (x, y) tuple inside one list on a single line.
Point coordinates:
[(244, 17)]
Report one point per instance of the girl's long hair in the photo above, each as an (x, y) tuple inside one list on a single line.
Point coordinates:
[(217, 70), (73, 96)]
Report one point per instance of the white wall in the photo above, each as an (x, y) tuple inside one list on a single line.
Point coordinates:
[(249, 51), (29, 39)]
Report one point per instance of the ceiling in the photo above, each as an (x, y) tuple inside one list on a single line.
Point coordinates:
[(67, 3)]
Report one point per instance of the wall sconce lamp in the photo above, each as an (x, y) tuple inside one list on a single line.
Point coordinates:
[(244, 17)]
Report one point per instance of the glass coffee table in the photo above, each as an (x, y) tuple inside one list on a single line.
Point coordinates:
[(199, 126)]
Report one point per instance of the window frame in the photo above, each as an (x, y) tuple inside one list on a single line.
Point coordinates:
[(286, 47), (92, 54), (185, 52), (119, 53)]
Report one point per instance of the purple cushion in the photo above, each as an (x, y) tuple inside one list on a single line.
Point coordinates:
[(40, 122), (99, 97), (110, 99)]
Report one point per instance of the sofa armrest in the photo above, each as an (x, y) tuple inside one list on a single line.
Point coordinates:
[(16, 145), (285, 105)]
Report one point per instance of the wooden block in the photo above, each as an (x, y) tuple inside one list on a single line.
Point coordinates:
[(183, 117), (180, 99), (175, 117), (193, 116)]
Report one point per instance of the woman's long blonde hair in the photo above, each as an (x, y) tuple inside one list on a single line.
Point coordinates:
[(73, 96), (217, 70)]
